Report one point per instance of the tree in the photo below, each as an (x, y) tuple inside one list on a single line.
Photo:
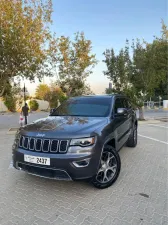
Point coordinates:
[(138, 77), (118, 69), (75, 63), (149, 68), (87, 90), (55, 95), (162, 90), (11, 95), (41, 91), (27, 48)]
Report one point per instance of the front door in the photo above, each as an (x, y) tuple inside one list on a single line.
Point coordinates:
[(121, 123)]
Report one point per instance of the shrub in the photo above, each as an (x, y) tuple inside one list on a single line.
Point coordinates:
[(63, 98), (10, 103), (33, 104)]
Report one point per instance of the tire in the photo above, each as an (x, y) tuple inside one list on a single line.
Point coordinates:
[(132, 140), (100, 180)]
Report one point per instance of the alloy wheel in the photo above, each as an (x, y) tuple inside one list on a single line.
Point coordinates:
[(107, 168)]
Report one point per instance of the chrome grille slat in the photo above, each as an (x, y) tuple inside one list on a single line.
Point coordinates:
[(25, 142), (44, 145), (38, 144), (63, 145), (31, 145), (54, 146), (21, 141), (47, 147)]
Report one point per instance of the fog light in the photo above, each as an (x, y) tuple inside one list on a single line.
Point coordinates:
[(81, 163)]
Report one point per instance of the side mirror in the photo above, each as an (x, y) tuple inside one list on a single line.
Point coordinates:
[(52, 110), (122, 112)]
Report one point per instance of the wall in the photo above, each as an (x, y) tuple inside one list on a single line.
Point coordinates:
[(165, 104), (43, 105), (3, 108)]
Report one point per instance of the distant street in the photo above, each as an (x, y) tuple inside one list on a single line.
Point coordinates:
[(12, 120), (9, 120), (154, 114)]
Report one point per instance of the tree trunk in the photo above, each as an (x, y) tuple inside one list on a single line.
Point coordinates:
[(141, 114), (2, 91)]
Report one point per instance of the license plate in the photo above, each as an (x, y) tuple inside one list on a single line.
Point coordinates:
[(37, 160)]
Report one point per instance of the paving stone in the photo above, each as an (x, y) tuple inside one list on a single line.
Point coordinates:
[(139, 196)]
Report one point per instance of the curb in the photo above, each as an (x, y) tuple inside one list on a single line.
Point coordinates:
[(148, 121), (12, 130)]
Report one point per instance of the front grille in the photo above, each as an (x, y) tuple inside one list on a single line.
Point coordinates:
[(44, 145)]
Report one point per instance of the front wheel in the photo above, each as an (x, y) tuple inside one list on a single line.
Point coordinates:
[(109, 168)]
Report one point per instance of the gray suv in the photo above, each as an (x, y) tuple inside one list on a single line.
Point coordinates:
[(79, 140)]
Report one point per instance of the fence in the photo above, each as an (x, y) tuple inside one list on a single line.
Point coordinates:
[(153, 105)]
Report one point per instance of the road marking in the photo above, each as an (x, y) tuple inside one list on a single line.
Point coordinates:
[(157, 125), (163, 142)]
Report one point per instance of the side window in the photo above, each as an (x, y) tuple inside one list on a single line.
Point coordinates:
[(119, 103), (126, 103), (129, 104)]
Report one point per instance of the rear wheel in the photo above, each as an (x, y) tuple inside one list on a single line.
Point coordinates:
[(109, 168), (132, 141)]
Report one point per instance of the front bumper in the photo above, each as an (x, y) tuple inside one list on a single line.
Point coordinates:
[(62, 166)]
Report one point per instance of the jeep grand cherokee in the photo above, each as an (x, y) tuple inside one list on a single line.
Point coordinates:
[(79, 140)]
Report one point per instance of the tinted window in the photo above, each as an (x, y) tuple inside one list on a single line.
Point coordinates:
[(127, 104), (119, 103), (93, 107)]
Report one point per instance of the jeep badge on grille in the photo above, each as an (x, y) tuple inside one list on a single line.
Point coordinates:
[(40, 135)]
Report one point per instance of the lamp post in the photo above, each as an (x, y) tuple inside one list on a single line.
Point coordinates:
[(24, 93), (160, 98), (24, 107)]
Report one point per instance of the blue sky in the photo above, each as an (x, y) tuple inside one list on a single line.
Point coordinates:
[(107, 24)]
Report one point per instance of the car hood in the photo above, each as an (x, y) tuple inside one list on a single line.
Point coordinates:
[(65, 126)]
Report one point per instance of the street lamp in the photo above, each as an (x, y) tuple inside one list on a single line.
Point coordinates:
[(24, 93), (160, 98)]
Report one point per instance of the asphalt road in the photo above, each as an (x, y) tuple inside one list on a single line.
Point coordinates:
[(138, 197), (152, 114)]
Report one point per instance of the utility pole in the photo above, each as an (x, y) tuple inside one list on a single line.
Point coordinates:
[(24, 91)]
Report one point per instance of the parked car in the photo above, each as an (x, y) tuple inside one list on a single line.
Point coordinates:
[(79, 140)]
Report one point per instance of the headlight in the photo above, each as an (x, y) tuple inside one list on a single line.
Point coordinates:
[(83, 142)]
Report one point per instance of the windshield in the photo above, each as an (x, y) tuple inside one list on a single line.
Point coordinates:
[(86, 107)]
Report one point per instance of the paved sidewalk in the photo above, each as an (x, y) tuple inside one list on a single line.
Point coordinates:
[(139, 197)]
